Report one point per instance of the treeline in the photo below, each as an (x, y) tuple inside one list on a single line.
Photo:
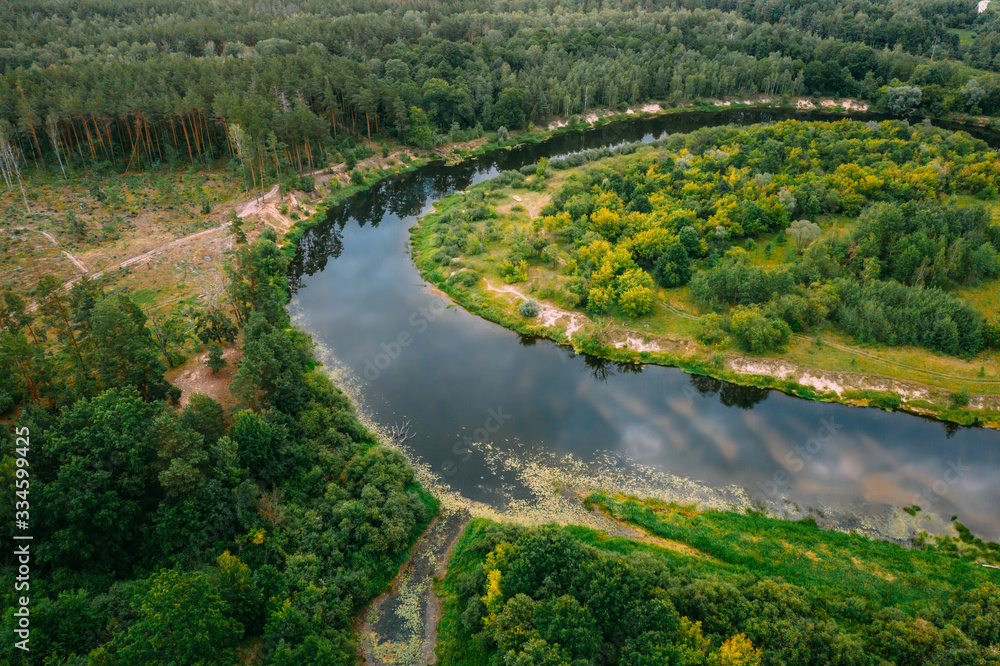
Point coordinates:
[(673, 214), (198, 535), (939, 246), (143, 82), (883, 283), (721, 592), (920, 27)]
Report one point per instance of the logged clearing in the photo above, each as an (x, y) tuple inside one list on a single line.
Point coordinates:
[(161, 235)]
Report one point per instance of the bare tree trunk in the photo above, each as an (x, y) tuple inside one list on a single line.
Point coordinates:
[(54, 138), (12, 166)]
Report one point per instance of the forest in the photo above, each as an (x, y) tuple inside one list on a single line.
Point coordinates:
[(263, 87), (169, 528), (709, 588), (868, 228), (196, 535)]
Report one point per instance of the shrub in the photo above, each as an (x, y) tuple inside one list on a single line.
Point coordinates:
[(960, 398), (464, 279), (507, 178), (512, 272), (710, 330), (803, 232), (757, 332), (881, 399), (215, 360), (528, 309), (441, 257)]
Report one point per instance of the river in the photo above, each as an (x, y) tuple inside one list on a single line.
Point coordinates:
[(485, 406)]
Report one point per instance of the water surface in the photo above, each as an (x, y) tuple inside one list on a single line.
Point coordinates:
[(458, 379)]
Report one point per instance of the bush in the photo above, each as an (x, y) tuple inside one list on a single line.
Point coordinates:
[(441, 257), (463, 279), (505, 179), (882, 399), (960, 398), (514, 272), (757, 332), (528, 309), (215, 360), (710, 330)]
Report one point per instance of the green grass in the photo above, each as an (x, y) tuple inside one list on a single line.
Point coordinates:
[(838, 565), (143, 297), (965, 37)]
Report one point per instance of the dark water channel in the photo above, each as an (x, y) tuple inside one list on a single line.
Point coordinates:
[(455, 377)]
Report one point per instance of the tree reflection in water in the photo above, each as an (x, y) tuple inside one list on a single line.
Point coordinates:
[(730, 395)]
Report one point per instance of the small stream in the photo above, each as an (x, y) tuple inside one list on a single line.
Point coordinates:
[(499, 420)]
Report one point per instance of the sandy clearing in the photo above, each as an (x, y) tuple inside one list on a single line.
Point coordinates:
[(548, 314), (849, 104), (636, 344), (535, 206), (838, 382), (196, 377), (595, 115)]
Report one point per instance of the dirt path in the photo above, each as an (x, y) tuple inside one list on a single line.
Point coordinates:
[(76, 262), (617, 527), (400, 627), (255, 205), (149, 254), (548, 315), (855, 351), (245, 209)]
